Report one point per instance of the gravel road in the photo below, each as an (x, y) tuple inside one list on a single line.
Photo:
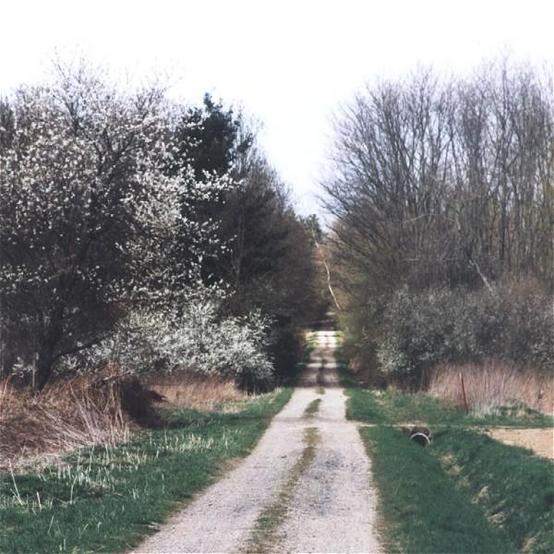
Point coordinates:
[(332, 506)]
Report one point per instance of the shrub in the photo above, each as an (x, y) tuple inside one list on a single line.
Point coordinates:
[(528, 332), (194, 338), (91, 219), (286, 345), (423, 329)]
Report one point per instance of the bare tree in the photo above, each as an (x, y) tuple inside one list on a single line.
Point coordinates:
[(446, 182)]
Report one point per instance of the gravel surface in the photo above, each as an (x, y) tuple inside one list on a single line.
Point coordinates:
[(333, 506)]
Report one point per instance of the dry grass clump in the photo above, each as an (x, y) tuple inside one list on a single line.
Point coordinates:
[(491, 385), (199, 392), (95, 409), (69, 413)]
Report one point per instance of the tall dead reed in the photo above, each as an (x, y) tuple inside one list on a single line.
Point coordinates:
[(491, 385), (199, 392), (69, 413)]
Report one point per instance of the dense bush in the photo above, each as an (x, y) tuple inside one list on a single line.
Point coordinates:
[(528, 331), (195, 338), (422, 329), (286, 345)]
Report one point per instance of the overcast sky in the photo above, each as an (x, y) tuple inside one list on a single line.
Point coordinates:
[(288, 63)]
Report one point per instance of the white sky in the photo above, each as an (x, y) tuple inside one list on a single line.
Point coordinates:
[(290, 64)]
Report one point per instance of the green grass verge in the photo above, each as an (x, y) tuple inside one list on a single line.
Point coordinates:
[(420, 509), (509, 490), (514, 488), (391, 407), (108, 499)]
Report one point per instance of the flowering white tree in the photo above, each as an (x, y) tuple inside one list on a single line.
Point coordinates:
[(92, 222)]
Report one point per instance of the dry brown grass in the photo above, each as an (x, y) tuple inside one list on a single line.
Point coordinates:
[(68, 414), (189, 390), (491, 385), (95, 409)]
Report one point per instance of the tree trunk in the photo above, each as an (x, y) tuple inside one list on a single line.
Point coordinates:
[(44, 367), (46, 355)]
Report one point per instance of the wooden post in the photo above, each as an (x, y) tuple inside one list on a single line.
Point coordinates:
[(464, 397)]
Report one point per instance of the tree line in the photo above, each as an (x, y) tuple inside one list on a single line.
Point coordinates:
[(445, 184)]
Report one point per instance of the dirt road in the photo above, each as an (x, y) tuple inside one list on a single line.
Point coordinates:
[(305, 487)]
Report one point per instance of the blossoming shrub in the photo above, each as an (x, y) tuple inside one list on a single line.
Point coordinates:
[(193, 338)]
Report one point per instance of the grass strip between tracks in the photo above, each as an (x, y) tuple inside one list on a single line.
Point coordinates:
[(265, 535)]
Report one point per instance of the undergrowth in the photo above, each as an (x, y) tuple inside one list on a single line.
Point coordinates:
[(493, 385)]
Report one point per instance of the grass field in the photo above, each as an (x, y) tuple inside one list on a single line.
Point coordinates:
[(108, 499)]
